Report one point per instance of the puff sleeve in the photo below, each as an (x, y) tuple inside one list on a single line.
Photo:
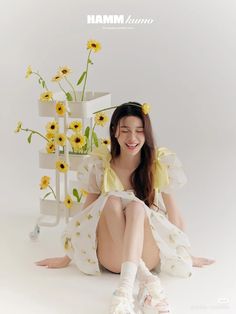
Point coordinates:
[(170, 175), (90, 174)]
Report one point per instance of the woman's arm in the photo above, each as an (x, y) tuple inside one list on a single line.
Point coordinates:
[(176, 218), (173, 212), (91, 197)]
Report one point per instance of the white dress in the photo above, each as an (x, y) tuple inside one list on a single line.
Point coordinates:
[(96, 176)]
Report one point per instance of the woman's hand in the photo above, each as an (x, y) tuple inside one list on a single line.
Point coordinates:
[(201, 261), (55, 262)]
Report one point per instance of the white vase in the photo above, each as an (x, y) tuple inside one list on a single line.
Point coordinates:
[(94, 101)]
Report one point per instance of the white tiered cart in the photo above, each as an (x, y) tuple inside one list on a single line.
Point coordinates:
[(84, 110)]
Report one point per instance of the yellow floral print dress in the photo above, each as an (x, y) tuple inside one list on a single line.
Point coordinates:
[(96, 176)]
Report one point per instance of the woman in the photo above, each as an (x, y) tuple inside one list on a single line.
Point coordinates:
[(124, 225)]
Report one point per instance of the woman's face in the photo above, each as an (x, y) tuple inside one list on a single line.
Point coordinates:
[(130, 134)]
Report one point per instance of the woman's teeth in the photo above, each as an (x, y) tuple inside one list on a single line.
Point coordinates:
[(131, 145)]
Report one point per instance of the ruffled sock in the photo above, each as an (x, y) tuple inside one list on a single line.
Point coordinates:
[(127, 277), (151, 293), (122, 299), (143, 273)]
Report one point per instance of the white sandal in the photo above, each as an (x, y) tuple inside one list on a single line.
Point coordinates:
[(152, 299), (121, 303)]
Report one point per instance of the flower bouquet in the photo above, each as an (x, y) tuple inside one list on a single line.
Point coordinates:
[(80, 103), (67, 139)]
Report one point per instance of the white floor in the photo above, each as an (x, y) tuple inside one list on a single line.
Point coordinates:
[(28, 289)]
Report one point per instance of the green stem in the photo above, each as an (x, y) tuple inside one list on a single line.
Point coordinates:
[(61, 88), (92, 136), (35, 132), (71, 87), (52, 191), (105, 109), (86, 74), (36, 73)]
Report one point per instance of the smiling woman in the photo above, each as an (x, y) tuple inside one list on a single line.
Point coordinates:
[(122, 227)]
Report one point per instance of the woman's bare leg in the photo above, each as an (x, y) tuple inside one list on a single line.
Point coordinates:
[(110, 247), (134, 232)]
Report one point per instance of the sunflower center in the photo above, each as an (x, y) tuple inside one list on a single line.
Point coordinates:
[(101, 118), (64, 71), (53, 127), (62, 166), (77, 140), (94, 45)]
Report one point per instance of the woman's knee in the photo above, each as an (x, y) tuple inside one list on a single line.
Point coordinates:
[(135, 210), (113, 204)]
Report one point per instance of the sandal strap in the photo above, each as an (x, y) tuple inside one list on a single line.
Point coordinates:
[(152, 298), (121, 303)]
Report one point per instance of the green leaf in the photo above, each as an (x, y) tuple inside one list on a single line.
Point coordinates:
[(43, 84), (76, 195), (40, 80), (81, 78), (87, 130), (95, 139), (90, 61), (68, 96), (30, 137), (46, 195)]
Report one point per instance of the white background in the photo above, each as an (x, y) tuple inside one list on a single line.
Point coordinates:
[(183, 64)]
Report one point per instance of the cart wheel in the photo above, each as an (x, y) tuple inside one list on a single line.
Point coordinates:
[(35, 233)]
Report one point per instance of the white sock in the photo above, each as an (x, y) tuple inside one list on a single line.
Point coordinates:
[(143, 273), (127, 277)]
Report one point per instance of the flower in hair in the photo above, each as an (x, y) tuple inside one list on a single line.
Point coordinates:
[(145, 108)]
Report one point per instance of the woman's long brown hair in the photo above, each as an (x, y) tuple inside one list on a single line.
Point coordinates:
[(142, 179)]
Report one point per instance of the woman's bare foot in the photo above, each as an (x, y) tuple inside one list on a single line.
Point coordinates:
[(201, 261), (55, 262)]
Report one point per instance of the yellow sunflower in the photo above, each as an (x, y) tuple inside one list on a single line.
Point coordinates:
[(101, 118), (50, 147), (94, 45), (105, 141), (45, 181), (50, 136), (60, 139), (46, 96), (28, 72), (75, 126), (60, 108), (19, 126), (57, 78), (64, 71), (68, 201), (77, 141), (52, 127), (145, 108), (62, 166)]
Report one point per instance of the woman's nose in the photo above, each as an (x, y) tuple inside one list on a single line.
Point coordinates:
[(132, 135)]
